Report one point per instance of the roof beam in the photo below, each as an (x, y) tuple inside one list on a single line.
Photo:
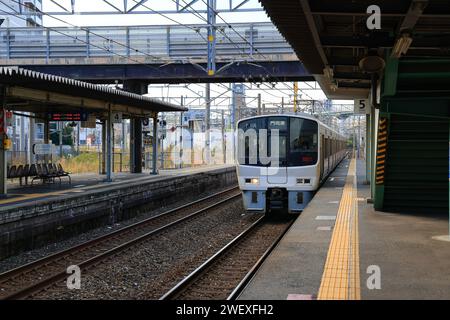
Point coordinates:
[(67, 100), (312, 27), (425, 42), (413, 15)]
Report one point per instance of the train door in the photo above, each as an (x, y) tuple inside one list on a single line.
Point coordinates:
[(278, 126), (322, 156)]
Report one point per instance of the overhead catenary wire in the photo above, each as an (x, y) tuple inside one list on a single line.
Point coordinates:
[(101, 48), (242, 37), (136, 50), (232, 42)]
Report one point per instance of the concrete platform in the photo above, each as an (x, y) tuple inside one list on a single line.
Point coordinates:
[(18, 194), (38, 215), (306, 263)]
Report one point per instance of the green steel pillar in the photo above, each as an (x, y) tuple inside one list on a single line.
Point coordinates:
[(373, 133), (368, 149)]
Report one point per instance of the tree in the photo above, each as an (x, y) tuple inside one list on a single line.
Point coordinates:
[(67, 135)]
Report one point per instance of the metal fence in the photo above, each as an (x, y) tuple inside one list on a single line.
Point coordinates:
[(165, 42)]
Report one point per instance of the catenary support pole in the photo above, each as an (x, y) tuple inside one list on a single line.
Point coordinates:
[(109, 145), (155, 144), (207, 158), (103, 158)]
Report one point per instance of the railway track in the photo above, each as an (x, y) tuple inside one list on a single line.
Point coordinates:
[(29, 279), (226, 273)]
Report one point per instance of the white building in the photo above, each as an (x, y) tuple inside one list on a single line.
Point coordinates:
[(25, 14)]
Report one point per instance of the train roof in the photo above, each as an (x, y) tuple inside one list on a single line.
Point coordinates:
[(294, 115)]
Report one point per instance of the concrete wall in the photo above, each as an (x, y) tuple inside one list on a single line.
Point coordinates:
[(27, 226)]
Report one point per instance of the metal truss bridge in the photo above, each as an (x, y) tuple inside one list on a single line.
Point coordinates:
[(244, 52)]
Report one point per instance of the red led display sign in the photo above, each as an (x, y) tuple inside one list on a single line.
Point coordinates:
[(75, 116)]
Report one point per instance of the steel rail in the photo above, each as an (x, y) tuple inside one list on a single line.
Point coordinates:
[(30, 267), (186, 282)]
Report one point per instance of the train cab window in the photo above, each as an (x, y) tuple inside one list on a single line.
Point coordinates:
[(248, 137), (279, 125), (303, 140)]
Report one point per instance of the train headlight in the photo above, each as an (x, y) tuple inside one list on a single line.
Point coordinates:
[(252, 180), (303, 181)]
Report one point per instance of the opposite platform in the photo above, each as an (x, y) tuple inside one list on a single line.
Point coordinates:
[(34, 219)]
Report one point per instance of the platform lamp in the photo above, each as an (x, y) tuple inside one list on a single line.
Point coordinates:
[(372, 64), (401, 45)]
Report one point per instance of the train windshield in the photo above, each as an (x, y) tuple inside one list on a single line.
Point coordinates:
[(303, 142), (297, 143)]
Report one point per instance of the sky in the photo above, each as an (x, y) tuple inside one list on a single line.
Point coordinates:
[(270, 97), (150, 18)]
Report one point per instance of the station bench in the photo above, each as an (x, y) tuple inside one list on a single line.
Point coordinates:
[(45, 172)]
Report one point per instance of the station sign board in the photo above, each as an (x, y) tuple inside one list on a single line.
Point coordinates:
[(146, 125), (42, 148), (361, 106)]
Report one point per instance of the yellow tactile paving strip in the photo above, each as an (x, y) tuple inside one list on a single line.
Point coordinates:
[(34, 196), (341, 279)]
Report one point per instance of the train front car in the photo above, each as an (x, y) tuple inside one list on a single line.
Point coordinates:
[(278, 162)]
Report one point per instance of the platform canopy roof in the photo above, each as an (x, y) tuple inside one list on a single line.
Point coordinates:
[(30, 91), (333, 36)]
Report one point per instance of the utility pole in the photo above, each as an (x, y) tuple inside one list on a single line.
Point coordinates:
[(211, 18), (162, 134), (78, 138), (224, 142), (61, 125), (208, 125), (259, 104), (14, 142), (233, 117), (295, 96), (22, 135), (31, 139), (181, 134)]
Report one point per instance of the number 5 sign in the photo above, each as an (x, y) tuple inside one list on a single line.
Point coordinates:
[(362, 106)]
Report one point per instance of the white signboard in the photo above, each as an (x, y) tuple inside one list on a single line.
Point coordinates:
[(117, 117), (42, 148), (362, 106), (146, 125)]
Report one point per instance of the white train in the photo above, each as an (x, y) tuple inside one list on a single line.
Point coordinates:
[(282, 159)]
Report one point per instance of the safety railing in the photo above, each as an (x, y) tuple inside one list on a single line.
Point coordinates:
[(258, 41)]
